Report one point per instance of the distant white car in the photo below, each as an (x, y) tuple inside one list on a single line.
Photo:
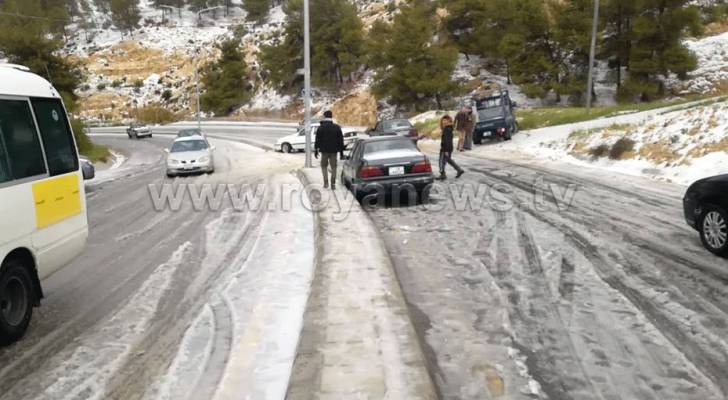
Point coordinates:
[(190, 155), (136, 131), (297, 141)]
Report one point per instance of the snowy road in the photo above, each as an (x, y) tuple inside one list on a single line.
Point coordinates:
[(526, 296), (260, 135), (167, 305)]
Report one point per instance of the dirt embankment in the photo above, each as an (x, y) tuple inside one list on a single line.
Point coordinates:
[(127, 76), (357, 109)]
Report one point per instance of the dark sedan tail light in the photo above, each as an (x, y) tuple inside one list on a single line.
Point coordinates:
[(423, 167), (370, 172), (413, 132)]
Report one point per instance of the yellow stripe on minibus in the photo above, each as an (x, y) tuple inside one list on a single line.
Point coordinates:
[(56, 199)]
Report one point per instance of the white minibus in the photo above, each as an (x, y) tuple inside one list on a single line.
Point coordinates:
[(43, 223)]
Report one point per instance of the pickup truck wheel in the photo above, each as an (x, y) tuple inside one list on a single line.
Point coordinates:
[(16, 302), (478, 138), (714, 230)]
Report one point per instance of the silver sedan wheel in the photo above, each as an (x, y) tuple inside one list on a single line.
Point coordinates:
[(715, 230)]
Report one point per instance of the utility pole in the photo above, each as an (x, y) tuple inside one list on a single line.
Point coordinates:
[(590, 80), (307, 82), (197, 87)]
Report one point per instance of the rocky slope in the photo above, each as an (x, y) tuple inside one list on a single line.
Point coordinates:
[(155, 66)]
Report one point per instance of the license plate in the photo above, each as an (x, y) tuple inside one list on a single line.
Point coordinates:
[(393, 171), (189, 166)]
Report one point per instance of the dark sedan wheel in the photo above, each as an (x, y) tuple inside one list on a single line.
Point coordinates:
[(714, 230), (16, 302)]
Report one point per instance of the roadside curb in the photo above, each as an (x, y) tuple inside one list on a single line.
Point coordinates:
[(358, 340)]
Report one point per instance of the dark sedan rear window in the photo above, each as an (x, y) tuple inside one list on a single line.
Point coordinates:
[(385, 145)]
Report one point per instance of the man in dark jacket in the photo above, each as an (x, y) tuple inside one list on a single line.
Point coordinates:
[(329, 141), (446, 148)]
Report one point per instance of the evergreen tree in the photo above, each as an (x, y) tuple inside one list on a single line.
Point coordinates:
[(412, 67), (657, 47), (103, 5), (337, 45), (35, 44), (125, 15), (197, 4), (257, 9), (227, 86), (281, 61), (617, 17), (571, 32), (530, 51)]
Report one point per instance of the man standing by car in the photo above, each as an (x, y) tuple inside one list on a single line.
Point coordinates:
[(329, 141), (464, 124)]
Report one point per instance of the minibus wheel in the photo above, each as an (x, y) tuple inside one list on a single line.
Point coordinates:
[(16, 301)]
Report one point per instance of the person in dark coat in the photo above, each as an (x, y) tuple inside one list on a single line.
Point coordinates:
[(329, 141), (446, 148)]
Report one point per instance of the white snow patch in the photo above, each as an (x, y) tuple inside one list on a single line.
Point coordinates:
[(712, 54), (684, 131), (97, 356)]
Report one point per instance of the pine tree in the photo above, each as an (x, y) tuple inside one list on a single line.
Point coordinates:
[(571, 32), (257, 9), (282, 60), (197, 4), (617, 17), (530, 51), (412, 65), (35, 44), (103, 5), (337, 45), (657, 47), (227, 86), (125, 15)]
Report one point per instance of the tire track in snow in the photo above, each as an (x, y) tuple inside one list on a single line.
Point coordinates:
[(706, 361)]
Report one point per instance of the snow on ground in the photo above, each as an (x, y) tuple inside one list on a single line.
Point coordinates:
[(679, 146), (712, 53), (469, 68), (268, 99)]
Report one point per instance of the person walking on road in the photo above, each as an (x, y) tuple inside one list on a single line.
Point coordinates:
[(465, 124), (329, 141), (446, 148)]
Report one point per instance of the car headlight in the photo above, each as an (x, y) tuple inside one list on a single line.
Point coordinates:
[(204, 159), (174, 162)]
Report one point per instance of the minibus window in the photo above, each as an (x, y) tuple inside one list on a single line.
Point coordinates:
[(20, 140), (57, 137)]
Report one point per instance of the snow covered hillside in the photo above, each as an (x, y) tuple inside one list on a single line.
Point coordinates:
[(154, 66), (680, 146)]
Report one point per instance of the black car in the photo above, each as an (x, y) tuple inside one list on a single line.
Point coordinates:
[(495, 118), (398, 127), (705, 205), (387, 165)]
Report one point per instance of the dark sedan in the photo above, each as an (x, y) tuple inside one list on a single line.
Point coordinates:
[(705, 205), (387, 165)]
